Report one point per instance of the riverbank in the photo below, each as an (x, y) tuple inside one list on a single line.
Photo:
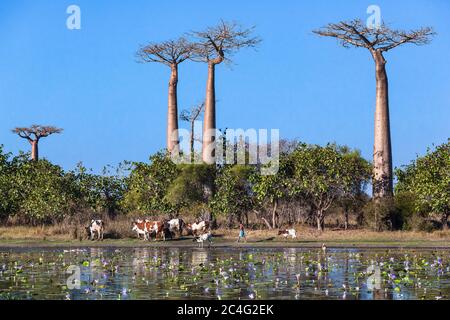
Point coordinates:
[(221, 244), (307, 238)]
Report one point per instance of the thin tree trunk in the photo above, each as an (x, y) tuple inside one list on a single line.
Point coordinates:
[(34, 150), (172, 112), (267, 223), (192, 141), (444, 221), (382, 152), (230, 220), (320, 220), (274, 214), (346, 220)]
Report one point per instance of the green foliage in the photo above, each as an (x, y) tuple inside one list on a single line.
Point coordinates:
[(314, 177), (233, 195), (407, 217), (98, 193), (191, 185), (326, 174), (381, 215), (6, 204), (428, 180), (148, 184), (272, 188), (39, 190)]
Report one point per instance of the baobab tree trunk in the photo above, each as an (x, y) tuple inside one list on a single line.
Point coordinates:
[(34, 150), (209, 121), (382, 152), (172, 112)]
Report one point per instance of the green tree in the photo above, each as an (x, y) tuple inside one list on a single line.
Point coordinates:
[(40, 191), (357, 175), (325, 174), (233, 198), (6, 204), (191, 186), (428, 179), (271, 189), (98, 193), (147, 185)]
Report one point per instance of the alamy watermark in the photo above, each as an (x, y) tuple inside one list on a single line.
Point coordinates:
[(234, 146), (374, 280), (374, 20), (73, 22), (74, 280)]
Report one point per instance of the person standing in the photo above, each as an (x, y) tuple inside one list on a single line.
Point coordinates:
[(242, 234)]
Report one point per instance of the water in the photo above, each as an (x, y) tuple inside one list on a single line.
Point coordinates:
[(224, 273)]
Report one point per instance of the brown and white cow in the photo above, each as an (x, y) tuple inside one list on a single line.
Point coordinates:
[(139, 226), (288, 233), (158, 228), (198, 227), (96, 227)]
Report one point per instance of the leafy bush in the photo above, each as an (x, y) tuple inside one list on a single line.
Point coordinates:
[(233, 195), (427, 179), (194, 184), (148, 184), (40, 191)]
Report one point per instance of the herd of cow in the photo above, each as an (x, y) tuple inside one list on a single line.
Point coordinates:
[(165, 229), (168, 229)]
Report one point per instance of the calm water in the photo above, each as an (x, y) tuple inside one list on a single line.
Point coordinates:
[(224, 273)]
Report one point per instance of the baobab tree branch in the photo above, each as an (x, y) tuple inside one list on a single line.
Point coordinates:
[(217, 43), (37, 130), (169, 52), (382, 38)]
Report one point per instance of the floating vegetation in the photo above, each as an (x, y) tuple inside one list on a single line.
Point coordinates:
[(224, 273)]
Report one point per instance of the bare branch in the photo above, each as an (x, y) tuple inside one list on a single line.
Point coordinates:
[(172, 52), (218, 43), (356, 33), (192, 114), (37, 131)]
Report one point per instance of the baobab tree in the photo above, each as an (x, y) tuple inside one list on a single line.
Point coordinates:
[(378, 40), (170, 53), (214, 46), (33, 134), (190, 116)]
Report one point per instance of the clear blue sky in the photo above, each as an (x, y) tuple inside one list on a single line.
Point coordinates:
[(112, 108)]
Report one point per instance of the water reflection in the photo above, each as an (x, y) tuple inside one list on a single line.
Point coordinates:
[(221, 273)]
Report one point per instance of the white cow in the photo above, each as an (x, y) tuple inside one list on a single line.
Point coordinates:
[(198, 228), (176, 225), (203, 238), (96, 227), (288, 233)]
